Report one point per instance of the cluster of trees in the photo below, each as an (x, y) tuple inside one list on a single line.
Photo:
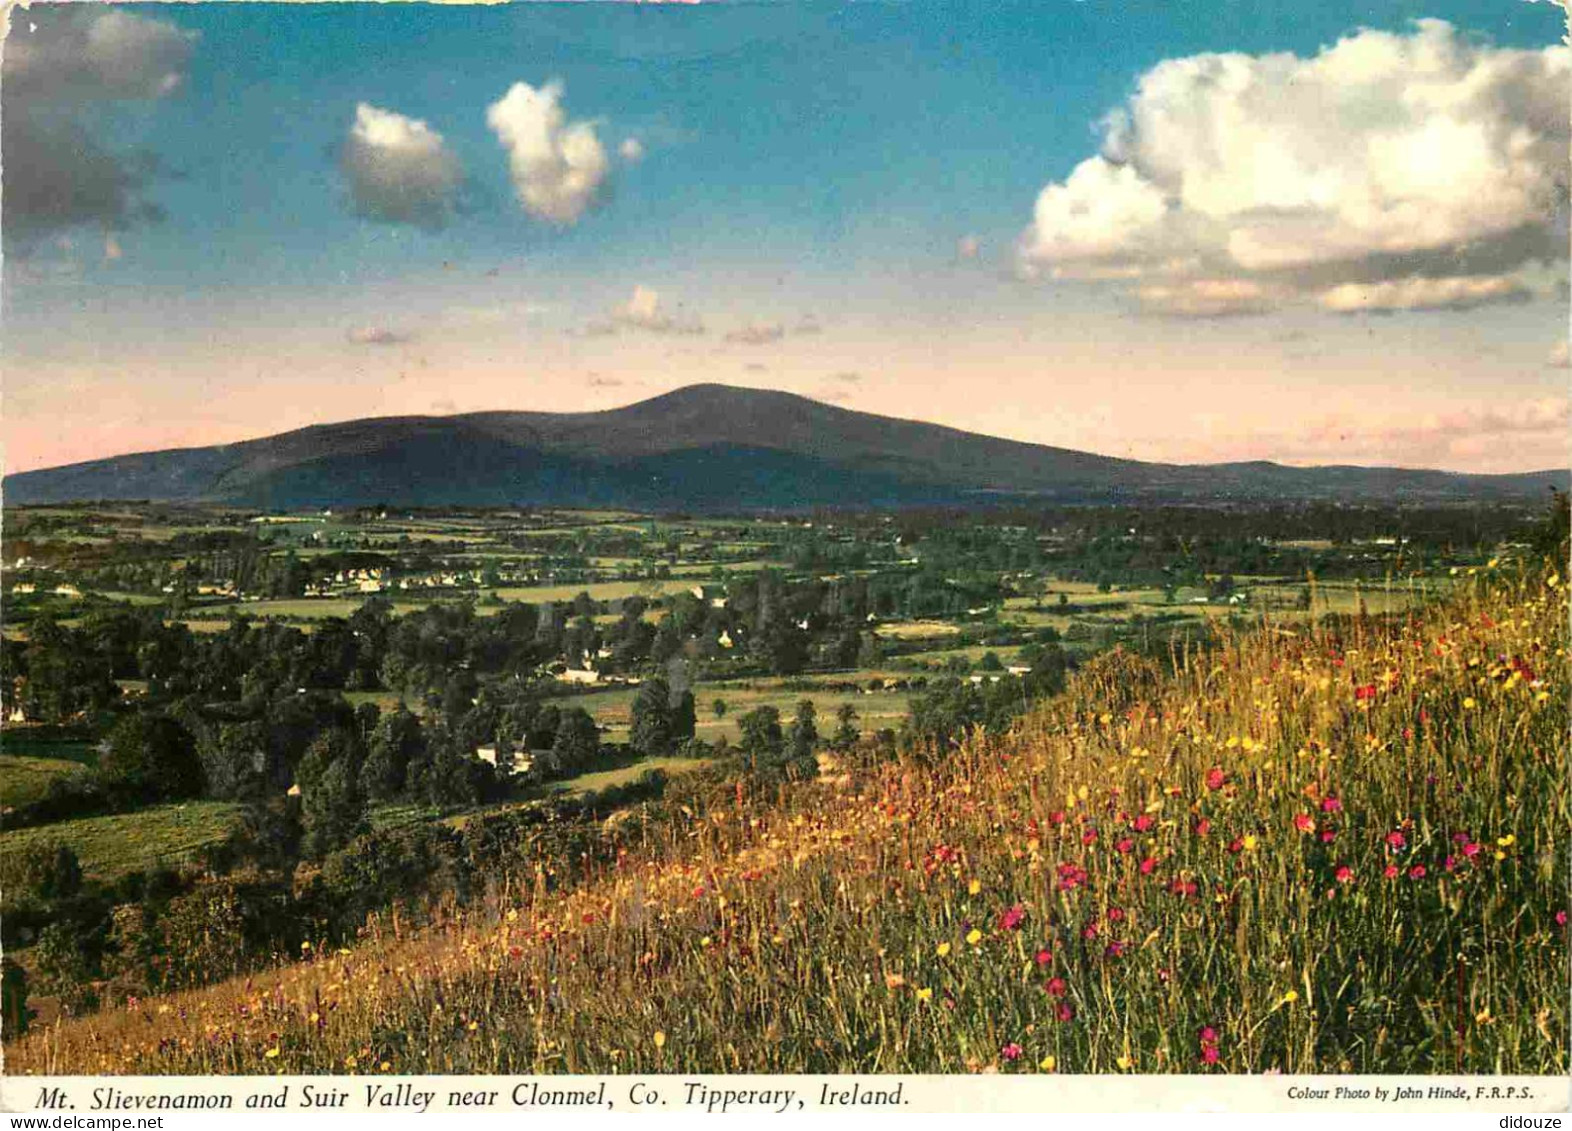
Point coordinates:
[(258, 895)]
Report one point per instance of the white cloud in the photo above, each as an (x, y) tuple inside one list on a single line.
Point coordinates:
[(1460, 292), (375, 336), (558, 167), (1382, 158), (645, 310), (399, 169), (76, 54), (631, 150), (756, 334), (1206, 298)]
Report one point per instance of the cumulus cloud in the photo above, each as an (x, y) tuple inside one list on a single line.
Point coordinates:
[(645, 310), (757, 334), (1538, 426), (631, 150), (69, 54), (1461, 292), (1384, 158), (558, 167), (399, 169), (375, 336), (57, 61)]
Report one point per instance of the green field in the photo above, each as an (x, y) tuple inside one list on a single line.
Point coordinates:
[(875, 710), (622, 775), (24, 780), (112, 846)]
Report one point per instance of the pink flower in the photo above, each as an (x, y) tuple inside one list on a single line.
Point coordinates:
[(1126, 845), (1012, 919), (1344, 874), (1215, 778), (1331, 805), (1305, 823), (1417, 872), (1396, 840), (1044, 956), (1209, 1054), (1065, 1012), (1011, 1051), (1328, 836), (1143, 822), (1391, 872), (1056, 987), (1561, 918), (1208, 1035)]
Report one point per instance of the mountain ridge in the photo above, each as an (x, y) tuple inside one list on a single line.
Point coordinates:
[(705, 446)]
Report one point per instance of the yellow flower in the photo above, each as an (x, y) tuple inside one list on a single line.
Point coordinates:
[(660, 1039), (1249, 842), (1126, 1063), (1290, 997), (513, 914), (705, 941), (1506, 841), (271, 1053), (1048, 1064), (944, 948), (350, 1061), (974, 887), (1469, 704), (974, 936), (925, 994)]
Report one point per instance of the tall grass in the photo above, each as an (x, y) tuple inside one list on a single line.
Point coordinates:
[(1298, 852)]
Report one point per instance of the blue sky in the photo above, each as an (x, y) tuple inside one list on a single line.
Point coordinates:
[(837, 200)]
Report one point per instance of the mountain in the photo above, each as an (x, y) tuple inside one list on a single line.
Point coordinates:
[(702, 448)]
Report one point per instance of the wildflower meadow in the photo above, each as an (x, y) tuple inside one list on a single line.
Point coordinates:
[(1334, 849)]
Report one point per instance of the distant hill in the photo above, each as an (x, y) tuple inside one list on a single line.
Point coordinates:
[(703, 448)]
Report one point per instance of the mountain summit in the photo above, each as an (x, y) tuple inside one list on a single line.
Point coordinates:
[(706, 448)]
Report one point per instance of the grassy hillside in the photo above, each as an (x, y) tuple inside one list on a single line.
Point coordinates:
[(1302, 853)]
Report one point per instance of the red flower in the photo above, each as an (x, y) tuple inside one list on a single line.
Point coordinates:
[(1417, 872), (1089, 836), (1208, 1035), (1367, 691), (1209, 1054), (1147, 865), (1116, 914), (1065, 1012), (1143, 822), (1056, 987), (1391, 872), (1011, 1051), (1331, 805), (1202, 827), (1126, 845), (1344, 874), (1012, 919), (1328, 836), (1304, 822), (1215, 778), (1396, 840), (1044, 957), (1561, 918)]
